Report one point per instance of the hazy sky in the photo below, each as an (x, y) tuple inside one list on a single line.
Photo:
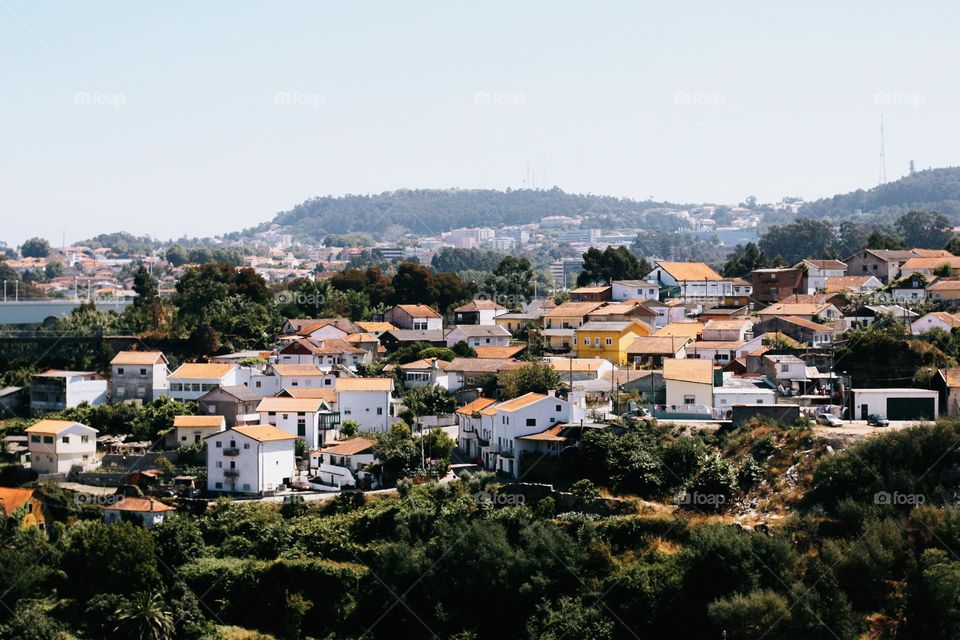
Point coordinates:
[(200, 117)]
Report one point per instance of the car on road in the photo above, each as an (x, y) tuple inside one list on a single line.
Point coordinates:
[(829, 420), (877, 420)]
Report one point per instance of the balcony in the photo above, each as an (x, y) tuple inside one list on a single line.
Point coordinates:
[(231, 451), (328, 419), (231, 473)]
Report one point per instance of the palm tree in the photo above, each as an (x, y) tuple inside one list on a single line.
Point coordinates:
[(143, 617)]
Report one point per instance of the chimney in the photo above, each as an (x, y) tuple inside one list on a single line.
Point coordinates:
[(552, 393)]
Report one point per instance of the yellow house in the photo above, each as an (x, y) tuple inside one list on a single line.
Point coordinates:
[(23, 505), (608, 339), (561, 322)]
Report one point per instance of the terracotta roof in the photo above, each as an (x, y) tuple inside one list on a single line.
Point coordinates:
[(480, 305), (688, 370), (525, 400), (139, 505), (945, 285), (808, 324), (298, 370), (680, 329), (328, 395), (614, 326), (549, 435), (948, 319), (360, 337), (202, 370), (418, 310), (827, 264), (238, 391), (722, 325), (622, 308), (951, 376), (572, 309), (138, 358), (427, 363), (696, 271), (13, 499), (349, 447), (376, 326), (658, 345), (931, 263), (264, 433), (793, 309), (212, 422), (479, 365), (840, 284), (491, 351), (477, 405), (364, 384), (714, 344), (596, 289), (279, 403), (51, 427), (562, 365)]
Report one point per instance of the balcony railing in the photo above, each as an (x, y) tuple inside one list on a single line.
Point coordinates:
[(231, 473), (231, 451), (329, 419)]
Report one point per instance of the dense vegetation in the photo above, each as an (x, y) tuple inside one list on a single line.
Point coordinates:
[(856, 544)]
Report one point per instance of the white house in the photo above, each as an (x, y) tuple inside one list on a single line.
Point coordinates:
[(58, 445), (303, 375), (479, 335), (690, 383), (468, 423), (738, 390), (416, 317), (148, 511), (819, 270), (727, 330), (634, 289), (190, 430), (429, 372), (896, 404), (367, 401), (530, 413), (343, 463), (138, 375), (55, 390), (935, 320), (193, 380), (478, 312), (256, 459), (309, 419), (694, 279)]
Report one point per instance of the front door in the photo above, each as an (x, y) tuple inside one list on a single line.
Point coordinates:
[(864, 412)]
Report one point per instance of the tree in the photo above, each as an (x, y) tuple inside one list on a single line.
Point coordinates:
[(924, 230), (953, 245), (35, 248), (536, 377), (430, 401), (54, 269), (752, 615), (414, 284), (145, 287), (114, 558), (803, 238), (396, 451), (610, 264), (743, 260), (143, 616), (511, 283)]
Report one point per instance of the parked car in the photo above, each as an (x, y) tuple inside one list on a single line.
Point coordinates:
[(878, 420), (829, 420)]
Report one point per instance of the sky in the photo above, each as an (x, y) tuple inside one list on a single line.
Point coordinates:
[(199, 117)]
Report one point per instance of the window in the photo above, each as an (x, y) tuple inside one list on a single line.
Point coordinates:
[(219, 464), (285, 416), (559, 407), (379, 411), (609, 341), (34, 438), (246, 445), (302, 428), (218, 485), (258, 384), (143, 372), (246, 486), (596, 342), (689, 399), (119, 371), (271, 413), (531, 422), (219, 445), (47, 439), (65, 439)]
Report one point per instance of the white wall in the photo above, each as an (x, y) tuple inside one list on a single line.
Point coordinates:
[(677, 389), (370, 409), (59, 456), (261, 465)]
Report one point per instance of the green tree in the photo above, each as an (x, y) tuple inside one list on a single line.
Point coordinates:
[(536, 377), (35, 248), (430, 401), (924, 230), (115, 558), (610, 264), (803, 238), (743, 260), (145, 287), (511, 283), (144, 616)]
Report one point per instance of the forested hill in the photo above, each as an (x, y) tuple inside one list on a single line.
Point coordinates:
[(430, 211), (930, 190)]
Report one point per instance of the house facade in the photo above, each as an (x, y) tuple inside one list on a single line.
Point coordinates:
[(415, 317), (367, 401), (192, 381), (56, 446), (253, 460), (608, 340), (138, 375), (309, 419), (149, 512), (55, 390), (236, 403)]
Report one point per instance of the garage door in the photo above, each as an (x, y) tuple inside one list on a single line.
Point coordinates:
[(910, 408)]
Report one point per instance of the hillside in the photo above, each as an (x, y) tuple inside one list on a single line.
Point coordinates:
[(930, 190), (431, 211)]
